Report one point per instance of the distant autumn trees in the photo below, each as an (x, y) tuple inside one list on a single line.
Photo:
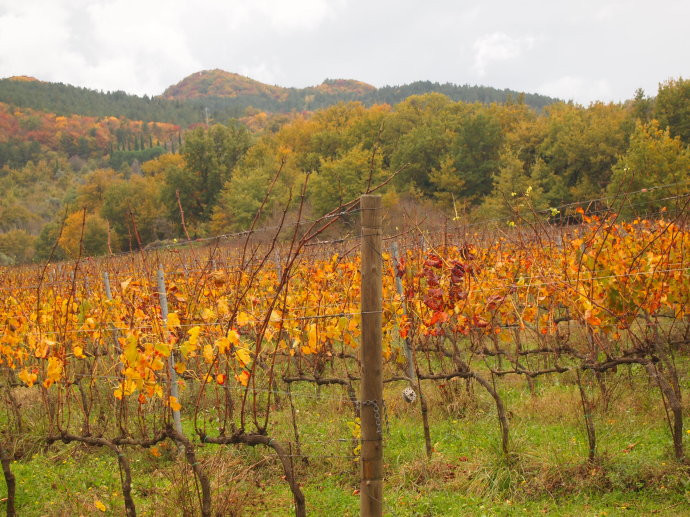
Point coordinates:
[(136, 181)]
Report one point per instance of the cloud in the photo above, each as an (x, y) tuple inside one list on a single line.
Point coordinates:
[(141, 47), (580, 50), (261, 72), (296, 14), (498, 47), (577, 88)]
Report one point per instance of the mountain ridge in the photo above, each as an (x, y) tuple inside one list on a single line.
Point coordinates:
[(222, 95)]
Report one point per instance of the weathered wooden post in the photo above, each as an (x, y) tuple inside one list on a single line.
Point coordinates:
[(106, 284), (371, 403), (174, 389), (411, 365)]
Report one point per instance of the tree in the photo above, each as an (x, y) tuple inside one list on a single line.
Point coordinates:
[(476, 153), (135, 202), (641, 107), (159, 166), (264, 166), (513, 190), (654, 159), (18, 245), (210, 156), (581, 145), (46, 243), (553, 189), (90, 195), (95, 235), (672, 108), (344, 179), (416, 135), (447, 182)]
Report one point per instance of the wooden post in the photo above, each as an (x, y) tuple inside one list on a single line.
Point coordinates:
[(10, 481), (174, 389), (115, 334), (371, 403), (106, 283), (399, 288), (411, 363)]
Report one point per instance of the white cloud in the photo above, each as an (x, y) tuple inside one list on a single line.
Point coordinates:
[(141, 47), (296, 14), (578, 89), (261, 72), (498, 46), (582, 50)]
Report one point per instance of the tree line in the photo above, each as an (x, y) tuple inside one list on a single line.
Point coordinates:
[(64, 99), (470, 161)]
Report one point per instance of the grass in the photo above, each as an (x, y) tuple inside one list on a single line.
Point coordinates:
[(547, 472)]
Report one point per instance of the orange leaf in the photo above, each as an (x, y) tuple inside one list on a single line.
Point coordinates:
[(174, 404), (243, 378)]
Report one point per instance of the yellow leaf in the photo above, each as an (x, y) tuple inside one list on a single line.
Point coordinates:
[(592, 318), (222, 344), (174, 404), (208, 354), (242, 319), (311, 333), (99, 505), (529, 314), (157, 364), (243, 378), (233, 336), (173, 320), (243, 356), (124, 285), (194, 334), (180, 368), (53, 371), (79, 352), (162, 348), (130, 349), (187, 348), (28, 378)]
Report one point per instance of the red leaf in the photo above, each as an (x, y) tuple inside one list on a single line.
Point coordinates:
[(433, 261), (438, 317), (400, 267), (434, 299), (431, 278), (479, 321), (493, 301), (457, 274)]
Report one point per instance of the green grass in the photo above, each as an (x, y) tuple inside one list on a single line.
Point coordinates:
[(467, 475)]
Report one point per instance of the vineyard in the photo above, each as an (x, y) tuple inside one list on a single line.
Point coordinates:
[(250, 343)]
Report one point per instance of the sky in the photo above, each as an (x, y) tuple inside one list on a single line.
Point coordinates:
[(584, 50)]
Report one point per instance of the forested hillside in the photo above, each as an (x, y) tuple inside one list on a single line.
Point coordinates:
[(128, 181), (222, 95)]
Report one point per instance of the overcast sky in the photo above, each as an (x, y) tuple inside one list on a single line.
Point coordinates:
[(577, 49)]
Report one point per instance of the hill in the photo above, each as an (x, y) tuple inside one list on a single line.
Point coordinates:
[(228, 95), (25, 134), (219, 83)]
